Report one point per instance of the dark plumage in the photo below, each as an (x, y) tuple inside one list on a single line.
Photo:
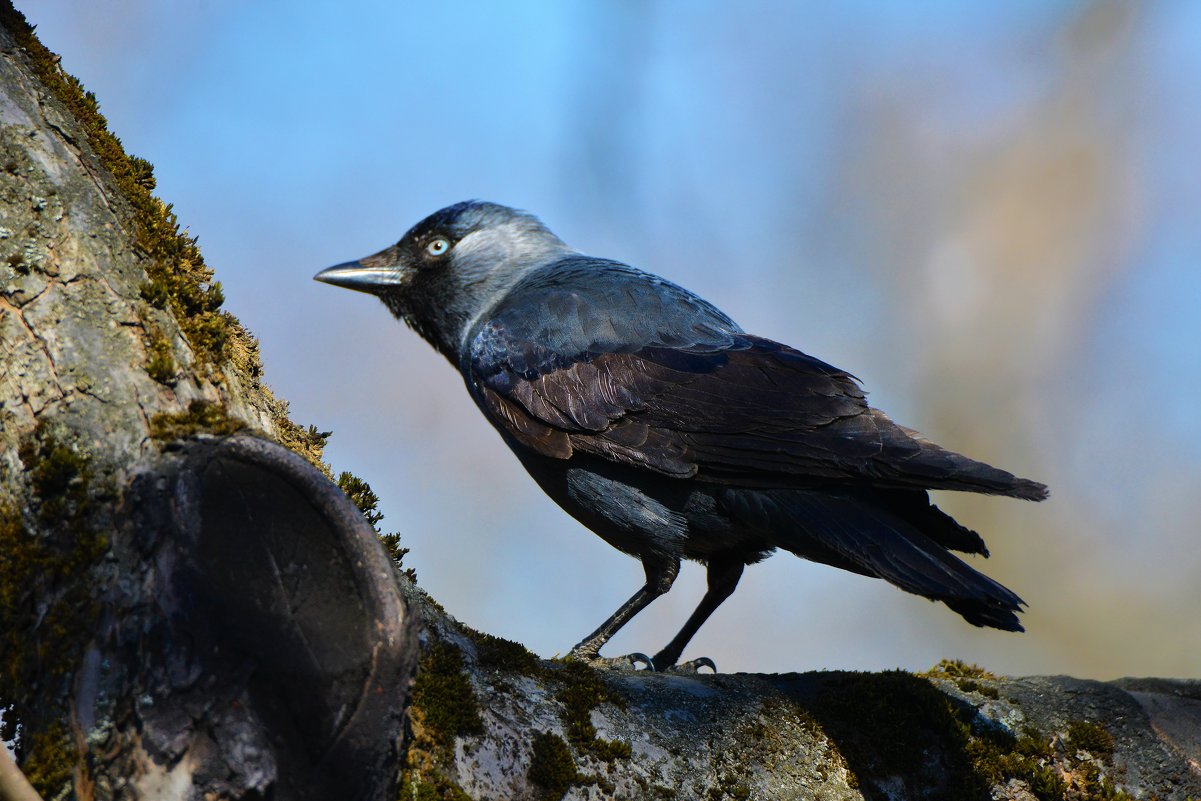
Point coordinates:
[(656, 421)]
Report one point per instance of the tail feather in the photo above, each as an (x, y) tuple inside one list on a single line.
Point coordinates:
[(913, 458), (915, 507), (985, 615), (903, 543)]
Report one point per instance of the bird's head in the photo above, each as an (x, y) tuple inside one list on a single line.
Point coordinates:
[(450, 267)]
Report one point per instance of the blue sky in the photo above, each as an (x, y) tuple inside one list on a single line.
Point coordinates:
[(988, 212)]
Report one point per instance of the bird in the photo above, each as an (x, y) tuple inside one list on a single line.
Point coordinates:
[(657, 422)]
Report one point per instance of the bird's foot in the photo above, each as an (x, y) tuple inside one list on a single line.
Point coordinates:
[(625, 662), (691, 667)]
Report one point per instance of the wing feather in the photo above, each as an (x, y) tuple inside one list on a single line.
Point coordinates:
[(716, 404)]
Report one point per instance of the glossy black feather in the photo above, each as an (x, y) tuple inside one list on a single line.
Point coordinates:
[(874, 535), (754, 413)]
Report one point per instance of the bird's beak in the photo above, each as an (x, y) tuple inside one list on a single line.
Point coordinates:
[(369, 275)]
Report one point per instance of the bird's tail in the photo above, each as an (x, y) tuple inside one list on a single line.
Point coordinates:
[(895, 535), (916, 461)]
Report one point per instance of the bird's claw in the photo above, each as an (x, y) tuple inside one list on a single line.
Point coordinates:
[(627, 662), (692, 666)]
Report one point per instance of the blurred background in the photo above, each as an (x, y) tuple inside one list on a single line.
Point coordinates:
[(989, 212)]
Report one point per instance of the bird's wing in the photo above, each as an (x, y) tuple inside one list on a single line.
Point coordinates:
[(726, 407)]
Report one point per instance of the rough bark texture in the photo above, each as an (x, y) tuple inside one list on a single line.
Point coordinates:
[(276, 650), (493, 721), (185, 612), (191, 611)]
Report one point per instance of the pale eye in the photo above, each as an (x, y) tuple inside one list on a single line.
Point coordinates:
[(438, 247)]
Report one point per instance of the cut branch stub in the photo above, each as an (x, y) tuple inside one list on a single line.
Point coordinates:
[(266, 649)]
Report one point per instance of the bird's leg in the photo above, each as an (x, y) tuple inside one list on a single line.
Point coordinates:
[(661, 573), (723, 576)]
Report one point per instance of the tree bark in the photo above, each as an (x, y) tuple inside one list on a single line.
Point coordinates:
[(521, 727), (187, 609)]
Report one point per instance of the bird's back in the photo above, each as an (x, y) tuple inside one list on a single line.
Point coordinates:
[(581, 305)]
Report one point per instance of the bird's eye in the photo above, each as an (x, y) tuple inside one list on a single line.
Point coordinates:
[(438, 246)]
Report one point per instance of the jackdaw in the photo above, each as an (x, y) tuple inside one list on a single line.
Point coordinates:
[(656, 421)]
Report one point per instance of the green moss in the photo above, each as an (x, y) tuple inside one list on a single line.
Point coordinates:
[(958, 669), (893, 727), (552, 768), (443, 706), (1085, 778), (47, 609), (1090, 737), (160, 363), (580, 691), (967, 677), (142, 173), (499, 654), (1030, 758), (154, 294), (206, 417), (1046, 784), (444, 697), (392, 546), (308, 442), (201, 417), (999, 756), (1088, 784), (50, 761), (436, 787), (361, 494), (59, 474)]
